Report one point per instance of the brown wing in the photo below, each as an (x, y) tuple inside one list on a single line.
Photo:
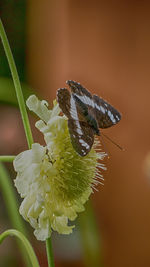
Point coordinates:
[(63, 98), (82, 136), (105, 114), (81, 94), (69, 106)]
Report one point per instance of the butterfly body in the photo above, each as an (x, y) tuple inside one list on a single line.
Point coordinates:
[(86, 113)]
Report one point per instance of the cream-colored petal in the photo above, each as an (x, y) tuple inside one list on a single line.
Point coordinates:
[(39, 107)]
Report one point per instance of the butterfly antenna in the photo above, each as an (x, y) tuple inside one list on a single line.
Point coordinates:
[(121, 148), (105, 148)]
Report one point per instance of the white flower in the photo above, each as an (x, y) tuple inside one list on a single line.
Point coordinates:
[(53, 180)]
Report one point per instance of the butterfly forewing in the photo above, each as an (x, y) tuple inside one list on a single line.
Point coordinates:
[(105, 114), (81, 134), (79, 92), (63, 98), (69, 106)]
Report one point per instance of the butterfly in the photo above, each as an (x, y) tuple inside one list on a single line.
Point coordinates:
[(86, 113)]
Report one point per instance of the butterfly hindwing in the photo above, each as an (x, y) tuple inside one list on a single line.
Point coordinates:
[(106, 115), (82, 136)]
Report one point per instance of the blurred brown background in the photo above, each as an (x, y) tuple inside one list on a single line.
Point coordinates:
[(104, 45)]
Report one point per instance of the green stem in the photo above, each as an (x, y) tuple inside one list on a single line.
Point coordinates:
[(49, 251), (22, 110), (25, 243), (7, 158), (90, 237), (17, 85), (9, 197)]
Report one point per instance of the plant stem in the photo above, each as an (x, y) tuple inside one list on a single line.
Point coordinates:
[(7, 158), (49, 251), (25, 243), (17, 85)]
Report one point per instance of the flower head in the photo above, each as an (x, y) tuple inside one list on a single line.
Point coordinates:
[(53, 180)]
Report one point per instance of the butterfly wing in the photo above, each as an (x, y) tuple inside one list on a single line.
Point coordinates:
[(69, 106), (81, 94), (106, 115), (85, 104), (63, 98), (82, 136)]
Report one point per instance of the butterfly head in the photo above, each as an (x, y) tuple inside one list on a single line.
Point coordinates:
[(73, 85)]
